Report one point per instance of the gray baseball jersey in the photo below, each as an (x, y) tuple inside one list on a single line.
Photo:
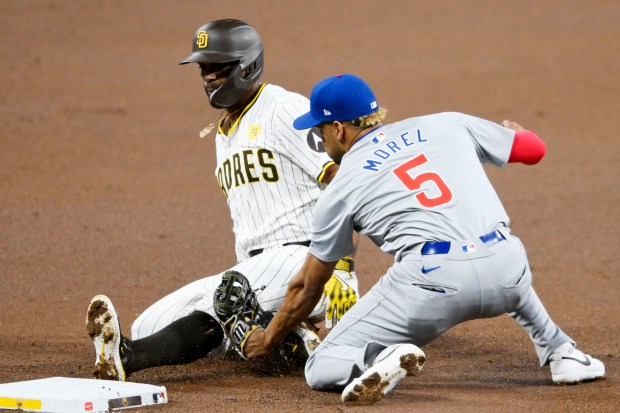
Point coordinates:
[(406, 184), (411, 182)]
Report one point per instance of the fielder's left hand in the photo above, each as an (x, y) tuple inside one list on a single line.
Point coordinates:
[(341, 292)]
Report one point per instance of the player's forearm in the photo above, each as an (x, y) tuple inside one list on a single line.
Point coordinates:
[(304, 292), (296, 308), (527, 146)]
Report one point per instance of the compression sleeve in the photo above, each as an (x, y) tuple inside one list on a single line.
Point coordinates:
[(527, 148)]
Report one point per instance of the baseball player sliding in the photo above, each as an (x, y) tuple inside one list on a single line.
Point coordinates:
[(271, 177), (418, 190)]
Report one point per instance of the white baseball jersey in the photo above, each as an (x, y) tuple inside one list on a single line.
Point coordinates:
[(268, 173)]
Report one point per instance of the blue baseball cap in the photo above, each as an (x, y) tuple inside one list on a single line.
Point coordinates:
[(341, 97)]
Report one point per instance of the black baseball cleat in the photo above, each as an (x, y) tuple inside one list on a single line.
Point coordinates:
[(112, 350)]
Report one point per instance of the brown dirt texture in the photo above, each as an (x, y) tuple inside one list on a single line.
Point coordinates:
[(105, 186)]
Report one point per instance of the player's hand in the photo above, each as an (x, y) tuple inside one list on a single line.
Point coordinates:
[(241, 330), (512, 125), (341, 292), (255, 344)]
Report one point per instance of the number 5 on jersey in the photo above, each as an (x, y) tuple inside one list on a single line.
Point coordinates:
[(415, 182)]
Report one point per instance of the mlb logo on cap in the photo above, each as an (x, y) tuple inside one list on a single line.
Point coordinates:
[(342, 97)]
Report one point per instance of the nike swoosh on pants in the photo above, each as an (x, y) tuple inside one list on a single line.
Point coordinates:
[(427, 270)]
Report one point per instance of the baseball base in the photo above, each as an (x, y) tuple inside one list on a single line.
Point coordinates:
[(73, 395)]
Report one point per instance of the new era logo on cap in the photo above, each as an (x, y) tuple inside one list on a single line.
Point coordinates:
[(347, 96)]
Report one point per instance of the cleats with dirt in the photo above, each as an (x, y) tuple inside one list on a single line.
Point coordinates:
[(104, 329), (389, 368)]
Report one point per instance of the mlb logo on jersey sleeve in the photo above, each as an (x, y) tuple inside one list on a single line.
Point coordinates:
[(467, 248)]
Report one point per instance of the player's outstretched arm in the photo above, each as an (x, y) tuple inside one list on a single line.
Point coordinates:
[(527, 147), (304, 292)]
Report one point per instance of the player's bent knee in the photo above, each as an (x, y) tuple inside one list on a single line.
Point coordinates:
[(312, 374), (137, 330), (312, 382)]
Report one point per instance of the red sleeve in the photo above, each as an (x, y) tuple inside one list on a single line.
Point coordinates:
[(527, 148)]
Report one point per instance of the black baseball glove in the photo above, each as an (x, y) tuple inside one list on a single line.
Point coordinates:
[(239, 311)]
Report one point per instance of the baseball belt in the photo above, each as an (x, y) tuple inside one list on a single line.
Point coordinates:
[(255, 252), (443, 247)]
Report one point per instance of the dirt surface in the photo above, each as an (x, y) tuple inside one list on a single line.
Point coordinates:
[(105, 186)]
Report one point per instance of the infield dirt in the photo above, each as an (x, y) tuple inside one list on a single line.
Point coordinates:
[(105, 186)]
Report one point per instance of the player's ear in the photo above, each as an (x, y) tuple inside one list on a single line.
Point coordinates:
[(339, 131)]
